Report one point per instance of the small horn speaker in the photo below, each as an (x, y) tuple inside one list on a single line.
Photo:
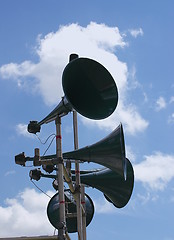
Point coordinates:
[(109, 152), (115, 188)]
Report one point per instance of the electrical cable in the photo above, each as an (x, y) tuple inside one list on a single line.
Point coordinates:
[(46, 139), (53, 134), (39, 188), (49, 145), (54, 231)]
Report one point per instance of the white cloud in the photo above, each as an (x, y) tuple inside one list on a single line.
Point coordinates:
[(9, 173), (25, 215), (160, 104), (146, 197), (133, 83), (13, 70), (96, 41), (21, 129), (171, 118), (145, 97), (127, 114), (102, 206), (171, 99), (136, 32), (130, 154), (155, 171)]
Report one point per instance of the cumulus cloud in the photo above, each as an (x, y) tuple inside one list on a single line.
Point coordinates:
[(13, 70), (155, 171), (146, 197), (96, 41), (132, 121), (102, 206), (160, 104), (21, 129), (26, 215), (130, 154), (136, 32)]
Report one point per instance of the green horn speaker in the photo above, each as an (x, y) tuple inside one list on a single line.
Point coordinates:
[(89, 89), (109, 152), (115, 188)]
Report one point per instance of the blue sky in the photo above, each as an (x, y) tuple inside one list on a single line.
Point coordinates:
[(134, 41)]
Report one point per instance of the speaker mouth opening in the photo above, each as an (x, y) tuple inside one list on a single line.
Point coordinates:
[(90, 88)]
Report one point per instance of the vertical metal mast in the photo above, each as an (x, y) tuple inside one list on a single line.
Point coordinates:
[(62, 223), (77, 173), (84, 211), (80, 196)]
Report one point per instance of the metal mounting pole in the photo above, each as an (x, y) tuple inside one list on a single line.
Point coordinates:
[(62, 219), (83, 212), (81, 223), (77, 173)]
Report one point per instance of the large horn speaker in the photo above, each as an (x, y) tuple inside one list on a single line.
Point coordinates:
[(109, 152), (89, 89), (115, 188)]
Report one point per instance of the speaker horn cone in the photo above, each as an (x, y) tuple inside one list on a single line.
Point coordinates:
[(109, 152), (90, 88)]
